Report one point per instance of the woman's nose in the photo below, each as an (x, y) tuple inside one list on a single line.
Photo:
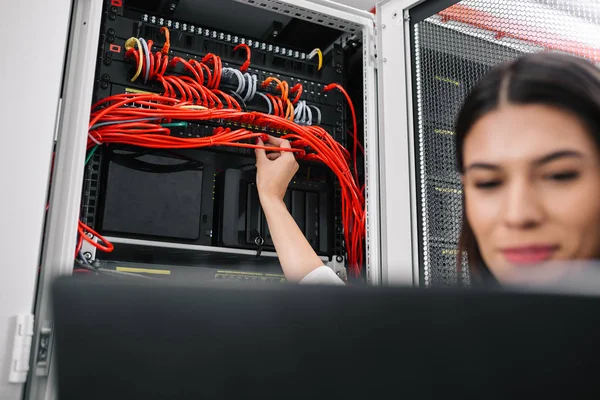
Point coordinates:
[(522, 208)]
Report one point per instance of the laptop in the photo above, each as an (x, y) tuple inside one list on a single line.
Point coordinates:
[(130, 339)]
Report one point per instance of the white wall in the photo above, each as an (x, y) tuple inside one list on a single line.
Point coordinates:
[(28, 111)]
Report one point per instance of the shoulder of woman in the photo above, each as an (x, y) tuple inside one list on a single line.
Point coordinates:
[(322, 276)]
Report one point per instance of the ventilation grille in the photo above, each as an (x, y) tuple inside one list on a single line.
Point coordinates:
[(453, 50), (91, 181)]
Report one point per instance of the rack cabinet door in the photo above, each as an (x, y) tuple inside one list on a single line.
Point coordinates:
[(67, 173), (31, 70)]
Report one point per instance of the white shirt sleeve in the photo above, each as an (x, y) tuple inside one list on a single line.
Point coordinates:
[(322, 276)]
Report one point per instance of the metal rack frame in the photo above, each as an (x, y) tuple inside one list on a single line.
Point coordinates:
[(399, 236), (65, 192)]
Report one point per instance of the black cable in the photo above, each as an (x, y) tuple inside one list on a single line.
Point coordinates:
[(239, 99)]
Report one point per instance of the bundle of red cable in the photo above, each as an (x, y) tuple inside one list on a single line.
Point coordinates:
[(138, 119), (202, 88)]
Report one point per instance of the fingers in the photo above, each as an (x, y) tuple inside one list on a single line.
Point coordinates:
[(285, 144), (287, 155), (260, 153), (274, 140), (279, 142), (273, 155)]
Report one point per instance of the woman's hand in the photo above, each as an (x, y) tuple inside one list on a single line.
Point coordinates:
[(274, 170)]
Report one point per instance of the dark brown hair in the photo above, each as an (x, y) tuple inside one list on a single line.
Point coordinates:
[(555, 79)]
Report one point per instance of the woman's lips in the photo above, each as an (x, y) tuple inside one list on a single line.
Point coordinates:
[(528, 255)]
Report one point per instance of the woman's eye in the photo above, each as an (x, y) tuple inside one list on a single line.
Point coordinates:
[(564, 176), (487, 184)]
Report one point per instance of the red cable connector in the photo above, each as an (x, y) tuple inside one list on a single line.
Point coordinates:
[(246, 64)]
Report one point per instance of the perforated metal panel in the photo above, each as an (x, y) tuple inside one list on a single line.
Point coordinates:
[(452, 51)]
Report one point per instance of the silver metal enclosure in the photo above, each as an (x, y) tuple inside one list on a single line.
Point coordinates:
[(65, 190), (452, 46), (399, 245), (28, 133)]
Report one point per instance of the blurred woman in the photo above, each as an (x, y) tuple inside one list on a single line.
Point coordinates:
[(528, 150)]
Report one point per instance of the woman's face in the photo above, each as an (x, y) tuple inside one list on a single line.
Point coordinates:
[(532, 188)]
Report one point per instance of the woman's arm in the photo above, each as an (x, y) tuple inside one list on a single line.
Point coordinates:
[(274, 172)]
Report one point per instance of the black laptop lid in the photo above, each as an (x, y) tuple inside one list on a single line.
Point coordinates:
[(140, 340)]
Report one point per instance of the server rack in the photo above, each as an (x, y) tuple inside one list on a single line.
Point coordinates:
[(65, 193), (448, 47)]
